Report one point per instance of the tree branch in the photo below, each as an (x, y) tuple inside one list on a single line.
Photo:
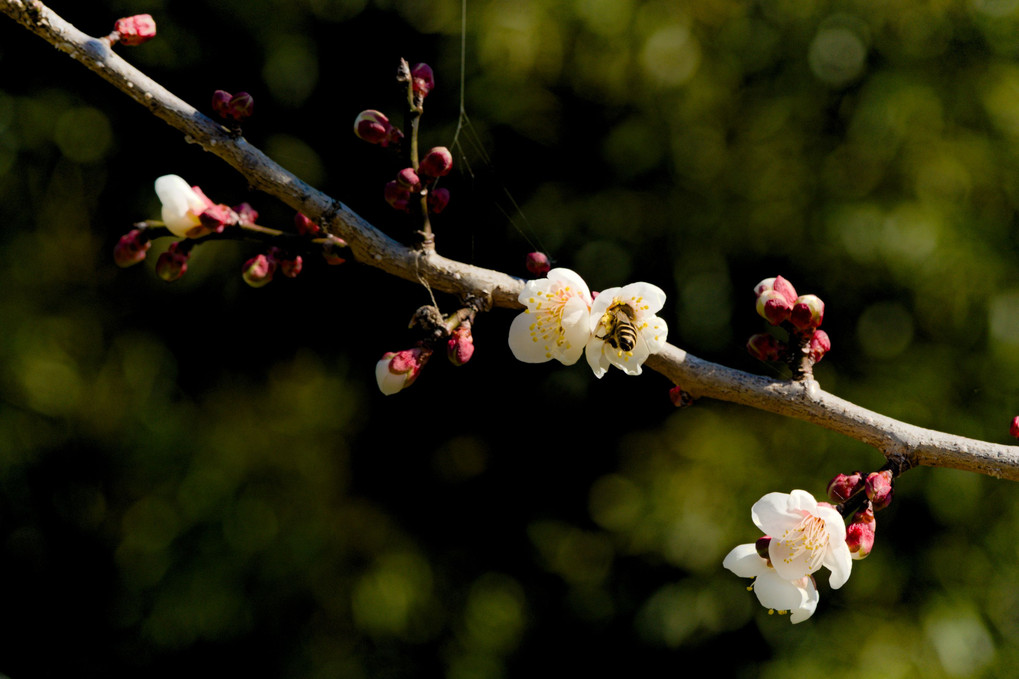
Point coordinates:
[(904, 444)]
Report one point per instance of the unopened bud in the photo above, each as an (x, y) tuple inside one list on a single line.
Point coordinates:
[(779, 285), (436, 163), (134, 30), (305, 226), (807, 313), (291, 266), (241, 106), (424, 79), (258, 270), (131, 248), (819, 345), (843, 486), (397, 196), (246, 214), (879, 489), (398, 370), (765, 347), (762, 545), (373, 127), (221, 103), (860, 538), (1014, 428), (537, 263), (460, 347), (679, 397), (438, 199), (213, 220), (773, 306), (173, 263), (408, 179)]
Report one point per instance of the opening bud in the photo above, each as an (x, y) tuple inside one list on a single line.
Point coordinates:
[(860, 538), (438, 199), (807, 313), (423, 78), (879, 489), (773, 306), (131, 248), (765, 347), (538, 264), (258, 270), (134, 30), (843, 486), (398, 370), (460, 347), (761, 545), (819, 345), (173, 263), (436, 163)]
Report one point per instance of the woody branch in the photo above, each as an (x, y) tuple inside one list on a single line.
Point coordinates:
[(903, 444)]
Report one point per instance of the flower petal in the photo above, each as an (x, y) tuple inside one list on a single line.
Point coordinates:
[(596, 356), (745, 562), (525, 347), (839, 561), (646, 299), (181, 205), (775, 513)]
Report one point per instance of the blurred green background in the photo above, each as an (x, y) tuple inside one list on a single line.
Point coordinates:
[(200, 474)]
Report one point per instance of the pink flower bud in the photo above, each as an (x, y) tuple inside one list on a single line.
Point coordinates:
[(765, 347), (438, 199), (842, 487), (436, 163), (135, 30), (331, 253), (258, 270), (879, 489), (773, 306), (221, 103), (131, 248), (246, 214), (761, 545), (373, 127), (173, 263), (460, 347), (213, 220), (291, 266), (424, 79), (537, 263), (398, 370), (408, 179), (397, 196), (860, 538), (779, 285), (1014, 428), (807, 313), (680, 398), (241, 106), (819, 345), (305, 226)]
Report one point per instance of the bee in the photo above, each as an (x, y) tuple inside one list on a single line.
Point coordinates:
[(622, 332)]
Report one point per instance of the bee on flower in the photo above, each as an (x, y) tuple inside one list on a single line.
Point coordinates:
[(625, 329)]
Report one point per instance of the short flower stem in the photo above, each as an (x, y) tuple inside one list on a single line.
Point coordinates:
[(414, 111), (799, 357)]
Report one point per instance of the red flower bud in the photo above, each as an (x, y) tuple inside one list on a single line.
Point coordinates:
[(221, 103), (213, 220), (373, 127), (408, 179), (436, 163), (537, 264), (305, 226), (173, 263), (860, 538), (424, 79), (819, 345), (397, 196), (258, 270), (1014, 428), (879, 489), (773, 306), (134, 30), (680, 398), (291, 266), (241, 106), (765, 347), (438, 199), (131, 248), (779, 285), (807, 313), (842, 487), (460, 347)]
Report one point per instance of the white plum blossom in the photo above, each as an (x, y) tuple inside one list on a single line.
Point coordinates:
[(805, 535), (556, 324), (625, 329), (181, 204), (797, 597)]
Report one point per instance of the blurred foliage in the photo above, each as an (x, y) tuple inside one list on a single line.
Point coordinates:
[(202, 473)]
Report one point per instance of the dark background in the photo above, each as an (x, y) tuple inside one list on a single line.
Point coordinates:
[(204, 475)]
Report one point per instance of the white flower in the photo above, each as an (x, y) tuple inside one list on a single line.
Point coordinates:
[(556, 323), (181, 204), (797, 597), (805, 535), (625, 329)]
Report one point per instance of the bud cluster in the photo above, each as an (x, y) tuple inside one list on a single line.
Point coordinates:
[(862, 496), (801, 316), (191, 216), (236, 107)]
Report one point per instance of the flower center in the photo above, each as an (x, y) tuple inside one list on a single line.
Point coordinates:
[(808, 539)]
